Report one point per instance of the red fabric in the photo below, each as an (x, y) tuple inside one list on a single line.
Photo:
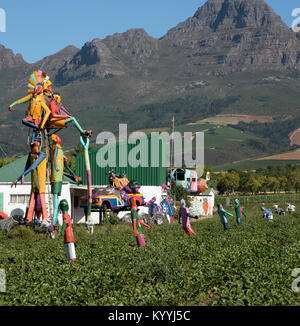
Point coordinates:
[(55, 111), (69, 237), (3, 215)]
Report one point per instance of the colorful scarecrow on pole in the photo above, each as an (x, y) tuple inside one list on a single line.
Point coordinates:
[(67, 231), (222, 213), (58, 163), (184, 215), (137, 223), (239, 212), (36, 165), (38, 82)]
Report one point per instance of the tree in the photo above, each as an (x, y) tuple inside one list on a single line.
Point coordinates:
[(284, 183), (228, 182), (294, 178), (252, 185), (181, 193), (273, 184), (263, 180)]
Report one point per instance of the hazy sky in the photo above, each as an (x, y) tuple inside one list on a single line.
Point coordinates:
[(37, 29)]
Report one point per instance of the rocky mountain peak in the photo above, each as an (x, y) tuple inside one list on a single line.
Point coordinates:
[(226, 36), (8, 59), (231, 14)]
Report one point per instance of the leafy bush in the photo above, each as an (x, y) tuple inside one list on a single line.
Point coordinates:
[(181, 193)]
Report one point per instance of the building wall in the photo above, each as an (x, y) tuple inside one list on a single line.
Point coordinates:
[(23, 191), (197, 207), (147, 176)]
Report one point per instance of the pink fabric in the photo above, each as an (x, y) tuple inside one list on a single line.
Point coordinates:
[(140, 240), (183, 212)]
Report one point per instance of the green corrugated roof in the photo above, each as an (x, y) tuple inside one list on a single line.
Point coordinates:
[(12, 171), (207, 192)]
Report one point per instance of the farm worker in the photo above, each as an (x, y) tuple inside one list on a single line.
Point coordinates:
[(58, 163), (267, 213), (239, 212), (37, 83), (67, 231), (136, 223), (222, 213), (184, 214), (36, 165)]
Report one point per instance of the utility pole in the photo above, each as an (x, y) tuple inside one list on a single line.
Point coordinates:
[(3, 151), (173, 145)]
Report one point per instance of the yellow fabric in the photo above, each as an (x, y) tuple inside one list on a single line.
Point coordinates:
[(42, 172), (36, 75), (57, 98), (47, 114), (57, 123), (35, 108), (30, 81), (121, 182), (47, 84)]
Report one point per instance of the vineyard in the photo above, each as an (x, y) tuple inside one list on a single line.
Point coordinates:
[(270, 199), (247, 265)]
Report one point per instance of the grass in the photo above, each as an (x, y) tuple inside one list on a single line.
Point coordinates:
[(248, 265)]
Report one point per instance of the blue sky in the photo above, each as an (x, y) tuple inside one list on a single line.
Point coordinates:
[(37, 29)]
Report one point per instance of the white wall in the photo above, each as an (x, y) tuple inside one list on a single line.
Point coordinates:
[(196, 207), (25, 189), (148, 191)]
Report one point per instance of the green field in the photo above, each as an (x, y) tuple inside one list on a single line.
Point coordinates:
[(214, 135), (254, 165), (247, 265)]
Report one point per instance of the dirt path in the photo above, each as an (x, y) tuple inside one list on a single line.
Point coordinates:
[(234, 119), (295, 137), (294, 155)]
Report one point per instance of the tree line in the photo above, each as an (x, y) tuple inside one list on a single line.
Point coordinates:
[(272, 179)]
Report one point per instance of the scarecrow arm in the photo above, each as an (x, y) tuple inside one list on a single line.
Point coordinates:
[(20, 101), (37, 162)]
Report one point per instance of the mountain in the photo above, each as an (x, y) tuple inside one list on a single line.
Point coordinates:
[(116, 55), (53, 63), (8, 59), (226, 36), (231, 56)]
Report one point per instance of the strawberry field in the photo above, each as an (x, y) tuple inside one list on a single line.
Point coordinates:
[(247, 265)]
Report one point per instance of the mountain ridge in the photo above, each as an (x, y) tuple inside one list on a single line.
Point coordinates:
[(231, 56)]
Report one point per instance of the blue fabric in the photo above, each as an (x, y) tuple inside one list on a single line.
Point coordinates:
[(36, 163), (29, 124), (55, 209)]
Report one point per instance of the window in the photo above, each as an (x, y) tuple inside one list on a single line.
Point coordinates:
[(180, 175), (19, 199)]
